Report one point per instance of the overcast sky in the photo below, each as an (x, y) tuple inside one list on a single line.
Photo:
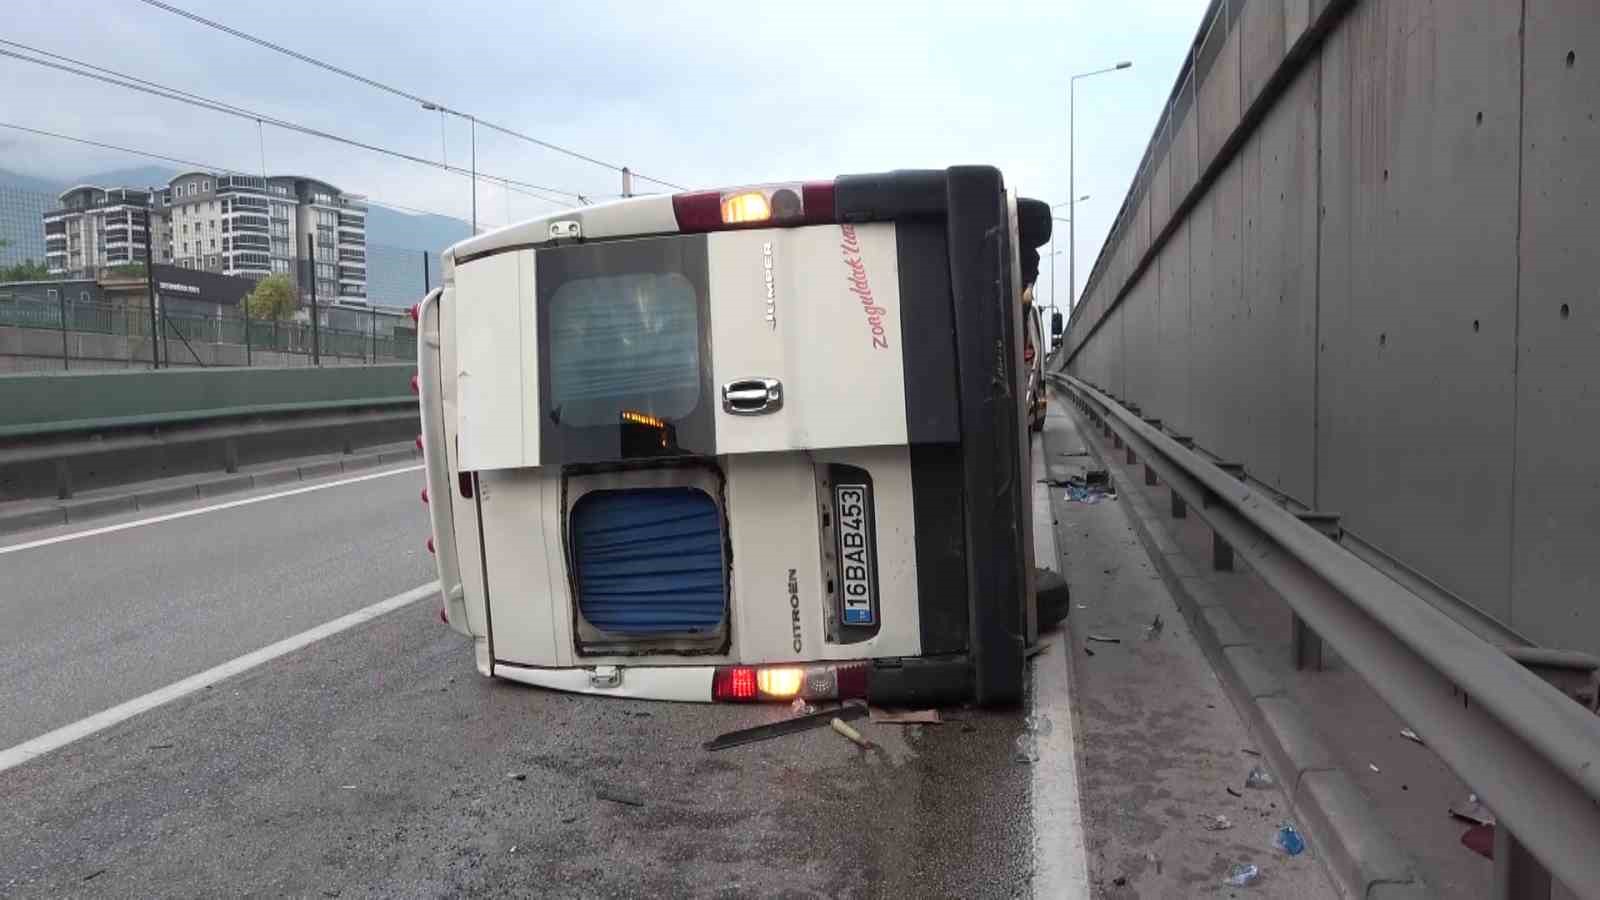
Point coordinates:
[(701, 94)]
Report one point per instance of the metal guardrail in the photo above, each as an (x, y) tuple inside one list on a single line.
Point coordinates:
[(264, 334), (1529, 750)]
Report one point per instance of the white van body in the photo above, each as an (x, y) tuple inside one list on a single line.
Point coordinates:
[(656, 453)]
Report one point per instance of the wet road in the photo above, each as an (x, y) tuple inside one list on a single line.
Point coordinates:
[(377, 762)]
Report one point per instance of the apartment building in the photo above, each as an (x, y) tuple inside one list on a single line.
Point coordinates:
[(96, 228), (240, 225)]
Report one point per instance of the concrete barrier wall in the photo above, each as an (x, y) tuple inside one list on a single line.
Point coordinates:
[(34, 404), (1378, 290)]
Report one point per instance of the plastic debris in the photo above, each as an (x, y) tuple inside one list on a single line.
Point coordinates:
[(1218, 823), (1153, 630), (850, 734), (1260, 779), (517, 776), (1410, 735), (1038, 725), (347, 787), (907, 717), (1248, 752), (1025, 749), (1234, 793), (1243, 874), (1104, 639), (1480, 840), (801, 708), (1288, 840), (1374, 767), (1472, 810)]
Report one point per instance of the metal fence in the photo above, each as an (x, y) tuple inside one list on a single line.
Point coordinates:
[(183, 334)]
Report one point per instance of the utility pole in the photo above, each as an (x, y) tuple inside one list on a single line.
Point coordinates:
[(311, 263)]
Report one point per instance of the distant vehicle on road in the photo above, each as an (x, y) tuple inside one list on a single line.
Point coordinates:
[(1033, 360), (741, 445)]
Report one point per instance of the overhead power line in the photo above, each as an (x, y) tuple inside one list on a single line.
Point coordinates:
[(210, 167), (398, 92), (120, 79)]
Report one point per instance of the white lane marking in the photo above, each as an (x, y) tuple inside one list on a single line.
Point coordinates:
[(82, 728), (1060, 854), (184, 514)]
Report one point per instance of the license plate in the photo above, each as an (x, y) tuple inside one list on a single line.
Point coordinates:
[(852, 504)]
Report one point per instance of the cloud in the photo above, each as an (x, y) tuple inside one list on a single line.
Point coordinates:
[(701, 94)]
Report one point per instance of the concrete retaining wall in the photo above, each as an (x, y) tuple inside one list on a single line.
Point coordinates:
[(1378, 292)]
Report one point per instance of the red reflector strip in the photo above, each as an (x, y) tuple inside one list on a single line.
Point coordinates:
[(700, 211), (818, 197), (735, 683), (853, 682)]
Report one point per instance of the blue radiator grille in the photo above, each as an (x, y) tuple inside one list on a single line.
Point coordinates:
[(649, 560)]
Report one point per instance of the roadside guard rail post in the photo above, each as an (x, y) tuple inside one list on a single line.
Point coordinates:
[(1529, 750)]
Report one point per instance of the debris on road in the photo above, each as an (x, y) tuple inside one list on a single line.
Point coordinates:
[(1374, 767), (801, 708), (517, 776), (1104, 639), (1234, 793), (347, 787), (1097, 477), (906, 717), (1120, 881), (1087, 489), (1248, 752), (1410, 735), (783, 727), (623, 799), (1243, 874), (1288, 840), (850, 734), (160, 747), (1218, 823), (1260, 779), (1025, 749), (93, 875), (1472, 810), (1153, 630), (1038, 725), (1088, 651)]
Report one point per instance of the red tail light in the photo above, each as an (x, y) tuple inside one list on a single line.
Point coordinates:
[(828, 681), (415, 312), (763, 206), (734, 684)]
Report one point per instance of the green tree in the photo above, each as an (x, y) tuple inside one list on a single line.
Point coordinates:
[(126, 270), (27, 270), (273, 298)]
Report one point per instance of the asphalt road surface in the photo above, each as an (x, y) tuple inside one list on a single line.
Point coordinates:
[(377, 762)]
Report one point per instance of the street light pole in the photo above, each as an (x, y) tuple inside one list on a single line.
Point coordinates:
[(1054, 252), (1072, 147)]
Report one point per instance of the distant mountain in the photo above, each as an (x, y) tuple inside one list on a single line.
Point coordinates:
[(132, 176), (33, 184), (389, 228)]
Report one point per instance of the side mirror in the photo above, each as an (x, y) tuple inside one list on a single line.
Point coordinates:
[(1055, 325)]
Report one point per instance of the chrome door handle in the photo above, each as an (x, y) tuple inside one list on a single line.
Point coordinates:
[(752, 396)]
